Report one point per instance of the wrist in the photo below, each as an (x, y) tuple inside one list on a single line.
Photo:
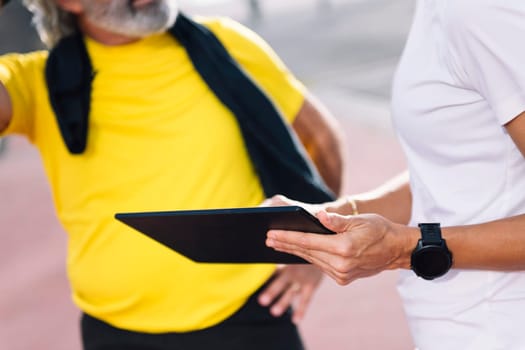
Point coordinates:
[(431, 258), (346, 205), (352, 204), (408, 238)]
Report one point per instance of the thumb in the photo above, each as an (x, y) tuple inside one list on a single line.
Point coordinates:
[(277, 201), (335, 222)]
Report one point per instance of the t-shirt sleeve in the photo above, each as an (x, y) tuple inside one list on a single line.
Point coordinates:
[(489, 51), (18, 75), (262, 63)]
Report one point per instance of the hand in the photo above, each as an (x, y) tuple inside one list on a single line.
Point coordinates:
[(280, 200), (363, 246), (293, 285)]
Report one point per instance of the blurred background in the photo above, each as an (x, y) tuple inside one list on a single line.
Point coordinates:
[(345, 52)]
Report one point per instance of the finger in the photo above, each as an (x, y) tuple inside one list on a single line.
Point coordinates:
[(275, 201), (335, 222), (266, 203), (317, 257), (302, 302), (285, 301), (339, 269), (273, 290), (303, 241), (323, 265), (295, 249)]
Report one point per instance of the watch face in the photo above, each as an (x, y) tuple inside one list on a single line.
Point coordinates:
[(430, 262)]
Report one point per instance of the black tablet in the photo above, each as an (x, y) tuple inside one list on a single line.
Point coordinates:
[(234, 235)]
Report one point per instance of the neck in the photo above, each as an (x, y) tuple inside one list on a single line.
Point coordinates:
[(104, 36)]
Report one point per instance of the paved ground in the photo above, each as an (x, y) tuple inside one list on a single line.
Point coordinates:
[(345, 51)]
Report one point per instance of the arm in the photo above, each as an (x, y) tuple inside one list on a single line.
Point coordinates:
[(299, 282), (5, 108), (5, 101), (319, 132), (337, 255), (368, 244), (393, 200), (496, 245)]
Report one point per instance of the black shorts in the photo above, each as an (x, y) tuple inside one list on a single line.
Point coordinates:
[(250, 328)]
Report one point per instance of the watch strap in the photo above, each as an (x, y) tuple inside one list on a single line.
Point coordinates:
[(430, 233)]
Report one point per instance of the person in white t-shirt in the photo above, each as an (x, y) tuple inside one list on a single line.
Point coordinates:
[(458, 107)]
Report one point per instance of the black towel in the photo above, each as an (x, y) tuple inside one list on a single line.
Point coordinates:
[(278, 157)]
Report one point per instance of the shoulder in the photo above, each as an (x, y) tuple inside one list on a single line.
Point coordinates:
[(470, 18), (260, 61), (28, 63), (235, 36), (484, 31), (226, 26)]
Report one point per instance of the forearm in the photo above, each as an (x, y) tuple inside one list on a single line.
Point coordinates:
[(393, 200), (327, 151), (329, 161), (320, 133), (497, 245), (5, 108)]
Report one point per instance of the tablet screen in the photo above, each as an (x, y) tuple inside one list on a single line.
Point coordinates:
[(232, 235)]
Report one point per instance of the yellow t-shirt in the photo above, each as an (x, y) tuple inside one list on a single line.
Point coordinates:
[(158, 139)]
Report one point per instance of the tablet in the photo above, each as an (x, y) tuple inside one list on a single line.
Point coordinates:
[(234, 235)]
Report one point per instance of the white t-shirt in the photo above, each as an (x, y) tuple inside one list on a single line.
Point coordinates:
[(460, 79)]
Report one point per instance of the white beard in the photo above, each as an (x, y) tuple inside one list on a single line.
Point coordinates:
[(121, 17)]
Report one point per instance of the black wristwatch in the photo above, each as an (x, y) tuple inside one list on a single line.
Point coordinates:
[(431, 258)]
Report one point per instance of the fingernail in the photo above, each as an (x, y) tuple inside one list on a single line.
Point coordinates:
[(270, 242), (264, 300), (276, 311)]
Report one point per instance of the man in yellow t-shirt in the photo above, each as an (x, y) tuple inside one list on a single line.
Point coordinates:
[(159, 139)]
